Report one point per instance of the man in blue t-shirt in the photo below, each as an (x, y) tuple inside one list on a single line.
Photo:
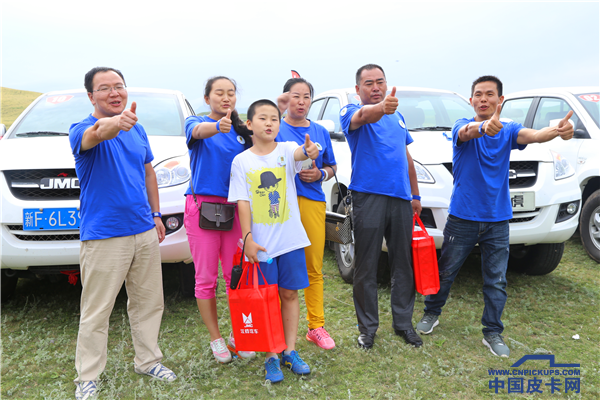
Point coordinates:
[(121, 228), (480, 206), (385, 195)]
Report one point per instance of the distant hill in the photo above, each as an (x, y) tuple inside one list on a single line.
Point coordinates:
[(13, 103)]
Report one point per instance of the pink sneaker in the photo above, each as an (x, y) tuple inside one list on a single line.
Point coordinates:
[(321, 338), (220, 351)]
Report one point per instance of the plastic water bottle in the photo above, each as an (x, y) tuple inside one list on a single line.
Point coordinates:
[(261, 255)]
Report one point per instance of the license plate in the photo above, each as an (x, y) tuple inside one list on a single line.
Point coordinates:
[(522, 201), (51, 219)]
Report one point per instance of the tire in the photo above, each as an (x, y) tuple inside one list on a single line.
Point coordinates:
[(539, 259), (589, 226), (9, 284), (344, 253), (187, 279)]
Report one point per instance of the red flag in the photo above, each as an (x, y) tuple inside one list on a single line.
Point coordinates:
[(295, 74)]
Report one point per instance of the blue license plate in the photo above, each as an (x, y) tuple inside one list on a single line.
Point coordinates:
[(51, 219)]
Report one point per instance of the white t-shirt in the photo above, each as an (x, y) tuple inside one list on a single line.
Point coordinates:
[(267, 182)]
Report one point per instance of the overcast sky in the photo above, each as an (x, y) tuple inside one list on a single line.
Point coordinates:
[(50, 45)]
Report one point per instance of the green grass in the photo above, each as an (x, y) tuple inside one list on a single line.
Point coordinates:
[(39, 331), (13, 103)]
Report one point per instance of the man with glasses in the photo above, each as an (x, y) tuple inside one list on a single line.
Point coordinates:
[(121, 229), (385, 195)]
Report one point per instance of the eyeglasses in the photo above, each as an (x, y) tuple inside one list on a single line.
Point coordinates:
[(107, 90)]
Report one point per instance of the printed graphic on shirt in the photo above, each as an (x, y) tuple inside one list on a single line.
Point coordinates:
[(268, 191)]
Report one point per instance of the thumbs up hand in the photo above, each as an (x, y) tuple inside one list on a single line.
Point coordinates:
[(225, 123), (311, 149), (565, 128), (493, 125), (390, 103), (128, 118)]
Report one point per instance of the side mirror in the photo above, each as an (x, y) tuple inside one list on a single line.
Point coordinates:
[(581, 133), (327, 124), (330, 126)]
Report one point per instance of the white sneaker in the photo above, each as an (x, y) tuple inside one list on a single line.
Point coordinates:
[(240, 354), (219, 350), (158, 371)]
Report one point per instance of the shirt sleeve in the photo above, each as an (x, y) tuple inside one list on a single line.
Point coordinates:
[(76, 132), (457, 126), (149, 154), (515, 128), (409, 138), (346, 114), (190, 124), (238, 188), (290, 149)]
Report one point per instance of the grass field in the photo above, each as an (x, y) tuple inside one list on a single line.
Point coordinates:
[(13, 103), (39, 331)]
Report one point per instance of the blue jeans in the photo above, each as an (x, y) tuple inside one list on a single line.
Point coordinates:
[(460, 236)]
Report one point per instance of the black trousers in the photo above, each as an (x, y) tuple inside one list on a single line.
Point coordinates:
[(376, 217)]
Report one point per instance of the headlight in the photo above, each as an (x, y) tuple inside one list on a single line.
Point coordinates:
[(423, 176), (173, 171), (562, 168)]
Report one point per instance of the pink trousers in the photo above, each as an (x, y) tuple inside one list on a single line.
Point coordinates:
[(208, 247)]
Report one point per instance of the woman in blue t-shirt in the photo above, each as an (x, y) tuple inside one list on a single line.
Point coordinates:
[(296, 100), (213, 141)]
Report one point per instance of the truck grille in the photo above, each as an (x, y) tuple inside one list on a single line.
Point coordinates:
[(522, 174), (25, 184), (28, 236)]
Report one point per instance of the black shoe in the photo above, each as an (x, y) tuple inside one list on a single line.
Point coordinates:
[(410, 336), (365, 340)]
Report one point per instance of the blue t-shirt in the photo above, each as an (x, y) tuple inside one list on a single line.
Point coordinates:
[(379, 163), (112, 177), (211, 158), (480, 168), (319, 135)]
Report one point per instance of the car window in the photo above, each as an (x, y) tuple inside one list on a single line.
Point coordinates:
[(422, 110), (516, 109), (550, 110), (315, 109), (591, 103), (54, 114), (332, 112), (159, 114)]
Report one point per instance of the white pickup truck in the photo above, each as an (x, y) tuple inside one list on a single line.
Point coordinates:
[(544, 190), (39, 202), (541, 108)]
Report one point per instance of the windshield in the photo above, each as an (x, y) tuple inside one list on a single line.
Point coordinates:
[(428, 110), (159, 114), (591, 104)]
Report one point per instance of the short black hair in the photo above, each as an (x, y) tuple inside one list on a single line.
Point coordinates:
[(367, 67), (487, 78), (292, 81), (89, 77), (258, 103)]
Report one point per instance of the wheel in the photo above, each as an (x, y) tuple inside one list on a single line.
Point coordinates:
[(539, 259), (9, 283), (187, 279), (344, 253), (589, 226)]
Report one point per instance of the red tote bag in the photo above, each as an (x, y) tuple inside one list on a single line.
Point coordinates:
[(425, 266), (256, 313)]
